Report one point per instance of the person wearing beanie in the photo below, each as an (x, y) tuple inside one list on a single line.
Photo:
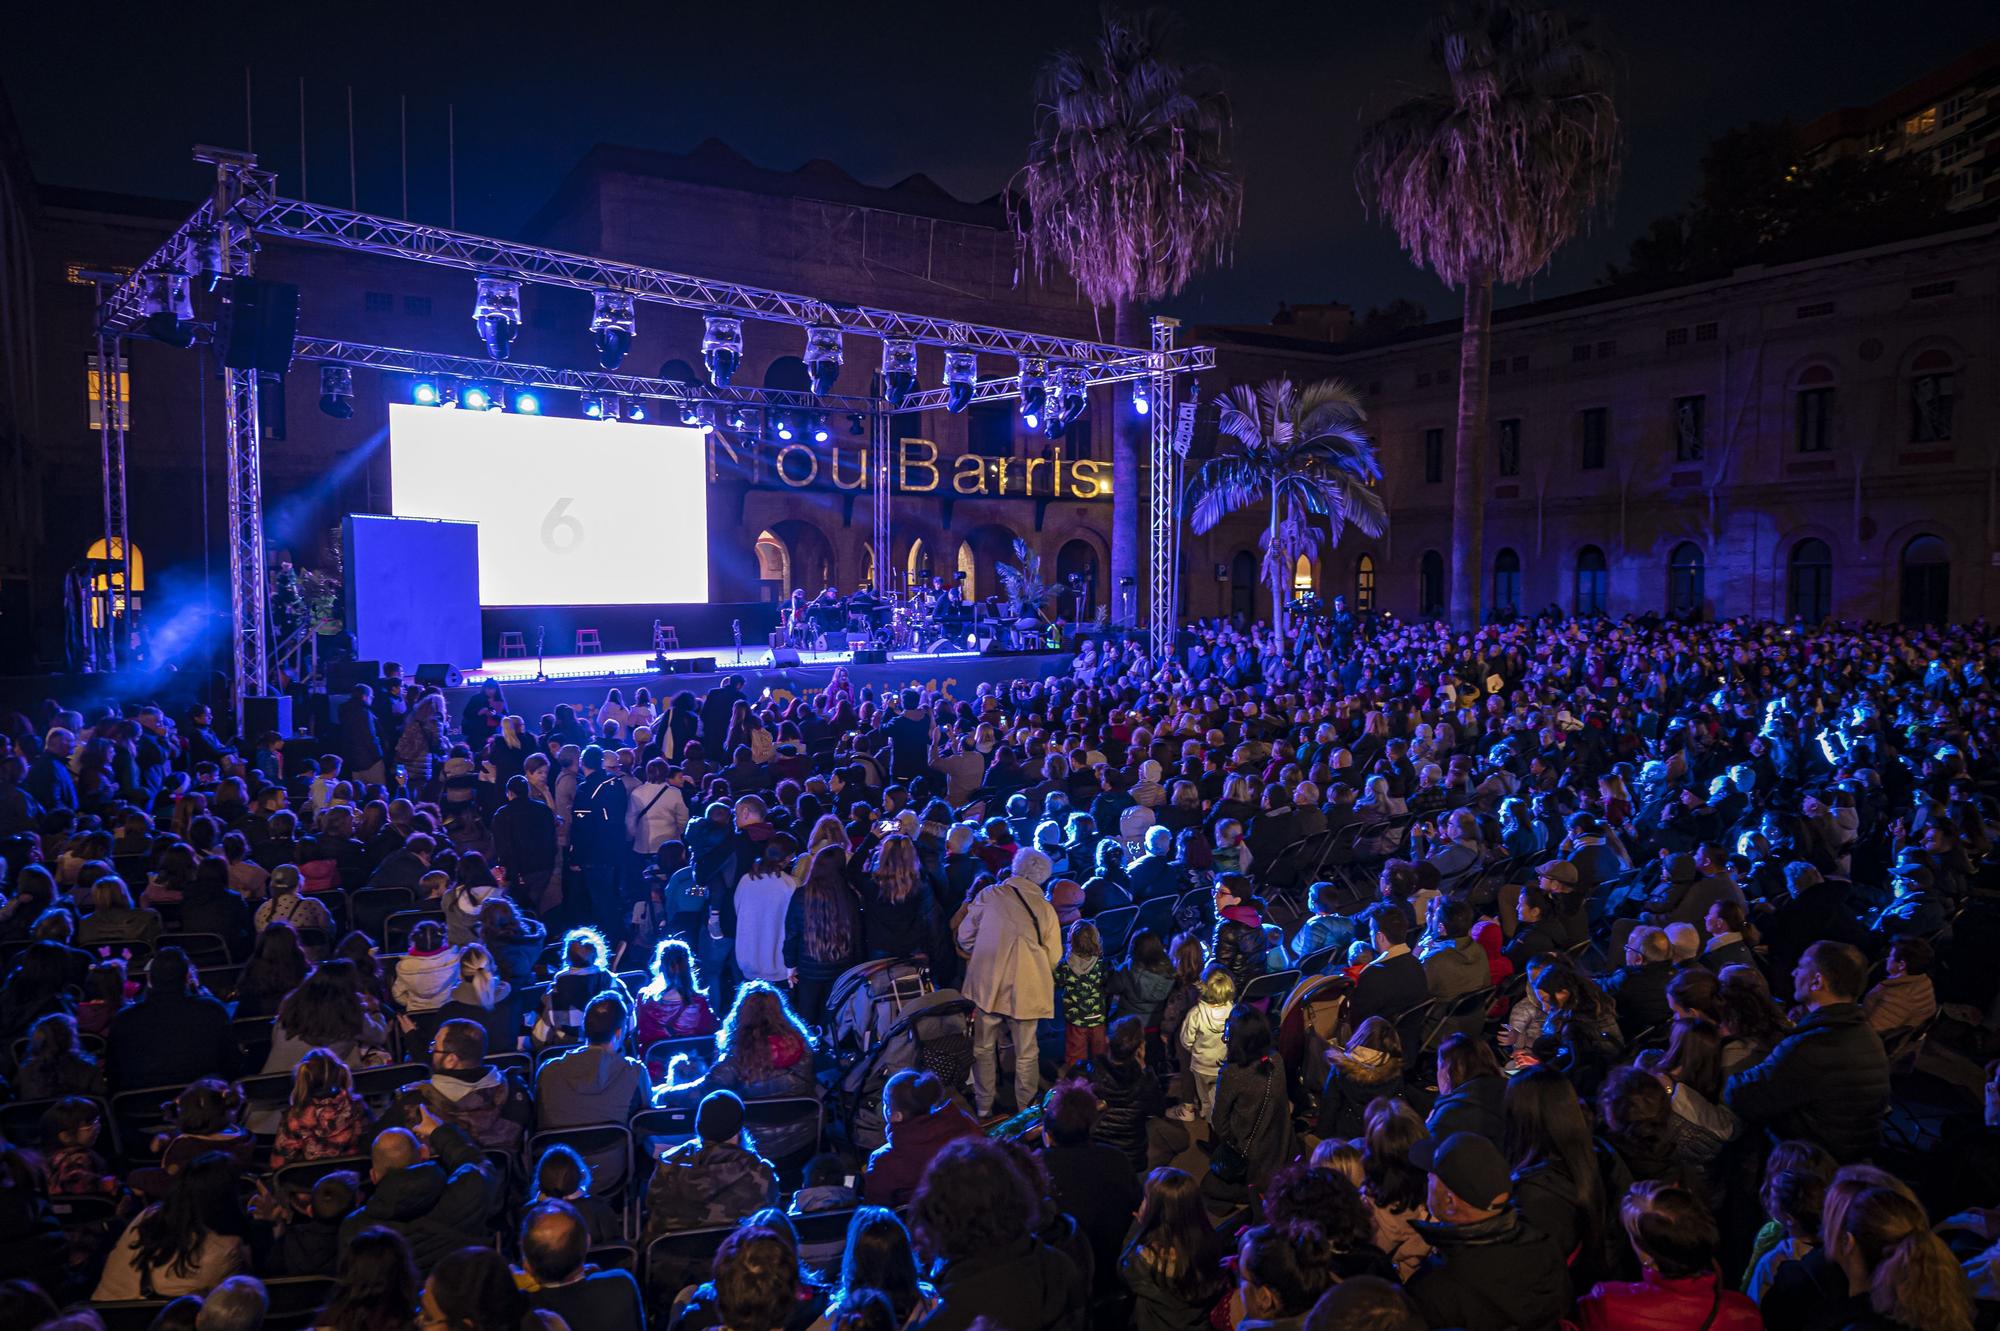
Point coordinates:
[(1013, 941), (712, 1179)]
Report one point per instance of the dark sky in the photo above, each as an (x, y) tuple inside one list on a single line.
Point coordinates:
[(112, 96)]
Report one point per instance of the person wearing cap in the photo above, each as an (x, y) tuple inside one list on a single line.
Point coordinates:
[(1590, 848), (711, 1179), (1828, 1080), (1012, 939), (1568, 919), (1488, 1269), (1916, 910)]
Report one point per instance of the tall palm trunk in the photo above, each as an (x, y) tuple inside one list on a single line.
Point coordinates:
[(1468, 480), (1278, 574), (1129, 442)]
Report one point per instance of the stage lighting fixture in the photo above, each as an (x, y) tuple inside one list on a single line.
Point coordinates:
[(1034, 389), (612, 324), (1142, 398), (689, 416), (496, 313), (424, 392), (820, 433), (204, 255), (168, 308), (1071, 397), (478, 397), (823, 357), (854, 425), (721, 348), (593, 406), (336, 391), (704, 418), (635, 409), (899, 370), (961, 374), (528, 403), (782, 427), (739, 420)]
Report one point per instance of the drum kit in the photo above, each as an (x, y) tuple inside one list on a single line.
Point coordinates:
[(922, 621)]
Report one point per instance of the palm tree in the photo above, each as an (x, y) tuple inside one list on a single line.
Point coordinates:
[(1128, 188), (1306, 454), (1483, 181)]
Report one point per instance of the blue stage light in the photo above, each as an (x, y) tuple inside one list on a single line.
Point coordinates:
[(635, 410), (476, 397), (1142, 401), (527, 404), (425, 393), (784, 429), (820, 433), (1033, 419), (593, 407)]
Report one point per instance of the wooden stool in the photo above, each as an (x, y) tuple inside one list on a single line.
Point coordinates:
[(669, 639), (586, 641), (513, 643)]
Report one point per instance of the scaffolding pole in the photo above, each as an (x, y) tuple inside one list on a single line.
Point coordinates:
[(1164, 547)]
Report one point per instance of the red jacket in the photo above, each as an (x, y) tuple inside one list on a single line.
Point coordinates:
[(1654, 1304), (895, 1168)]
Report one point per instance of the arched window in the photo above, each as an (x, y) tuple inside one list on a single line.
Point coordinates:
[(1302, 576), (1593, 581), (1926, 581), (1933, 395), (1811, 581), (1686, 582), (774, 567), (1243, 586), (107, 582), (1430, 586), (966, 567), (1506, 583), (1364, 584), (1076, 570), (918, 568)]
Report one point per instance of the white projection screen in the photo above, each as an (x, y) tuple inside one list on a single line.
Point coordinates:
[(570, 511)]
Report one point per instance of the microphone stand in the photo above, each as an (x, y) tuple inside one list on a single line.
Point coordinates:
[(541, 674)]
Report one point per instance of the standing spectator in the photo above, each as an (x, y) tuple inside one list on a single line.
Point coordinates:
[(1013, 938), (1080, 982), (823, 932), (656, 813), (1171, 1261), (763, 901), (524, 843), (1093, 1182), (973, 1216), (601, 842), (361, 737)]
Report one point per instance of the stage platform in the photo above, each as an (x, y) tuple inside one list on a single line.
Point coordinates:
[(533, 687)]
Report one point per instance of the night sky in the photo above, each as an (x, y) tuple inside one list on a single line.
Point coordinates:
[(111, 96)]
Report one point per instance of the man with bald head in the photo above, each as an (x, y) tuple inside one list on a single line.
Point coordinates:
[(434, 1186), (554, 1240)]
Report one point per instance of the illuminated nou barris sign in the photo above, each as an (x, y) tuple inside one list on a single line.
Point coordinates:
[(915, 467)]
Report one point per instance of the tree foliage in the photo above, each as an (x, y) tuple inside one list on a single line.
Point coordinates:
[(1760, 201), (1022, 582)]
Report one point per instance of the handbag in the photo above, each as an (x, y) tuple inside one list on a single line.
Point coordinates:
[(1231, 1163)]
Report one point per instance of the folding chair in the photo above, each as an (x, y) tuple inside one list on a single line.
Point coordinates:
[(127, 1314), (1275, 984), (674, 1261), (606, 1148), (1114, 926), (21, 1121), (779, 1120), (614, 1256), (379, 1085), (202, 949), (142, 1112), (823, 1239), (253, 1035), (295, 1181), (296, 1301), (699, 1049), (398, 925), (371, 907), (1465, 1013), (1317, 963)]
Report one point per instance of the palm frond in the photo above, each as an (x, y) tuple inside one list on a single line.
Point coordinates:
[(1306, 450), (1223, 485)]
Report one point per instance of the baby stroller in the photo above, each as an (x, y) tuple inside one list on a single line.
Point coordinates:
[(867, 999), (932, 1032)]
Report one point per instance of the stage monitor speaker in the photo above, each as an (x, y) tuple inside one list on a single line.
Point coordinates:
[(871, 656), (834, 641), (262, 715), (257, 325), (782, 657), (444, 676), (342, 676), (690, 665)]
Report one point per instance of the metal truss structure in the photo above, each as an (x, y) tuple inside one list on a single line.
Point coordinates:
[(1163, 553), (246, 206), (111, 414)]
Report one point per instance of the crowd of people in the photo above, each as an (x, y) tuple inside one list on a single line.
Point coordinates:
[(1624, 975)]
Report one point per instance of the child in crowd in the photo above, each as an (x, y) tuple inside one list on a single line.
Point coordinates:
[(582, 978), (828, 1186), (1796, 1177), (561, 1176), (1202, 1037), (1326, 928), (1172, 1261), (1190, 958), (672, 1005), (1343, 1158), (428, 973), (1080, 977), (247, 878), (326, 1119), (204, 1119), (56, 1064), (70, 1128), (306, 1233), (1231, 855), (320, 793), (1139, 988)]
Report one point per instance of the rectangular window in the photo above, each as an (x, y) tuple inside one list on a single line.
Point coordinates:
[(1931, 401), (417, 305), (1677, 337), (1433, 457), (1499, 365), (1688, 426), (94, 385), (378, 302), (1593, 427), (1508, 443), (1956, 108), (1923, 122), (1814, 310), (1423, 378), (989, 429), (1076, 439), (1579, 353), (1704, 332), (1815, 420), (1606, 350), (1520, 364), (1925, 290), (1952, 150)]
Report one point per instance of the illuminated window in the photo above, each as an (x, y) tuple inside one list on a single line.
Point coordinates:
[(1923, 122), (918, 568), (967, 569), (1302, 576), (108, 583), (1364, 584), (1685, 581), (94, 388), (774, 565)]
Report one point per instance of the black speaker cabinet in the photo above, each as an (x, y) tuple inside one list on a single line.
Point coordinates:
[(342, 676), (444, 676), (784, 656), (871, 656), (257, 325), (261, 715)]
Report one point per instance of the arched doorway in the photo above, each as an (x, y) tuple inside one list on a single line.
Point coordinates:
[(1364, 584), (1243, 587), (968, 570), (1926, 581), (1593, 581), (1076, 571), (809, 562), (1506, 583), (1811, 580), (1687, 591), (983, 548), (1302, 576), (918, 567), (1430, 586), (774, 567)]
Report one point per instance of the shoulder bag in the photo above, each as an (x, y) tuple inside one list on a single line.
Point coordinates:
[(1231, 1163)]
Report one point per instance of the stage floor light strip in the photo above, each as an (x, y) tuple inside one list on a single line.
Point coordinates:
[(632, 665)]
